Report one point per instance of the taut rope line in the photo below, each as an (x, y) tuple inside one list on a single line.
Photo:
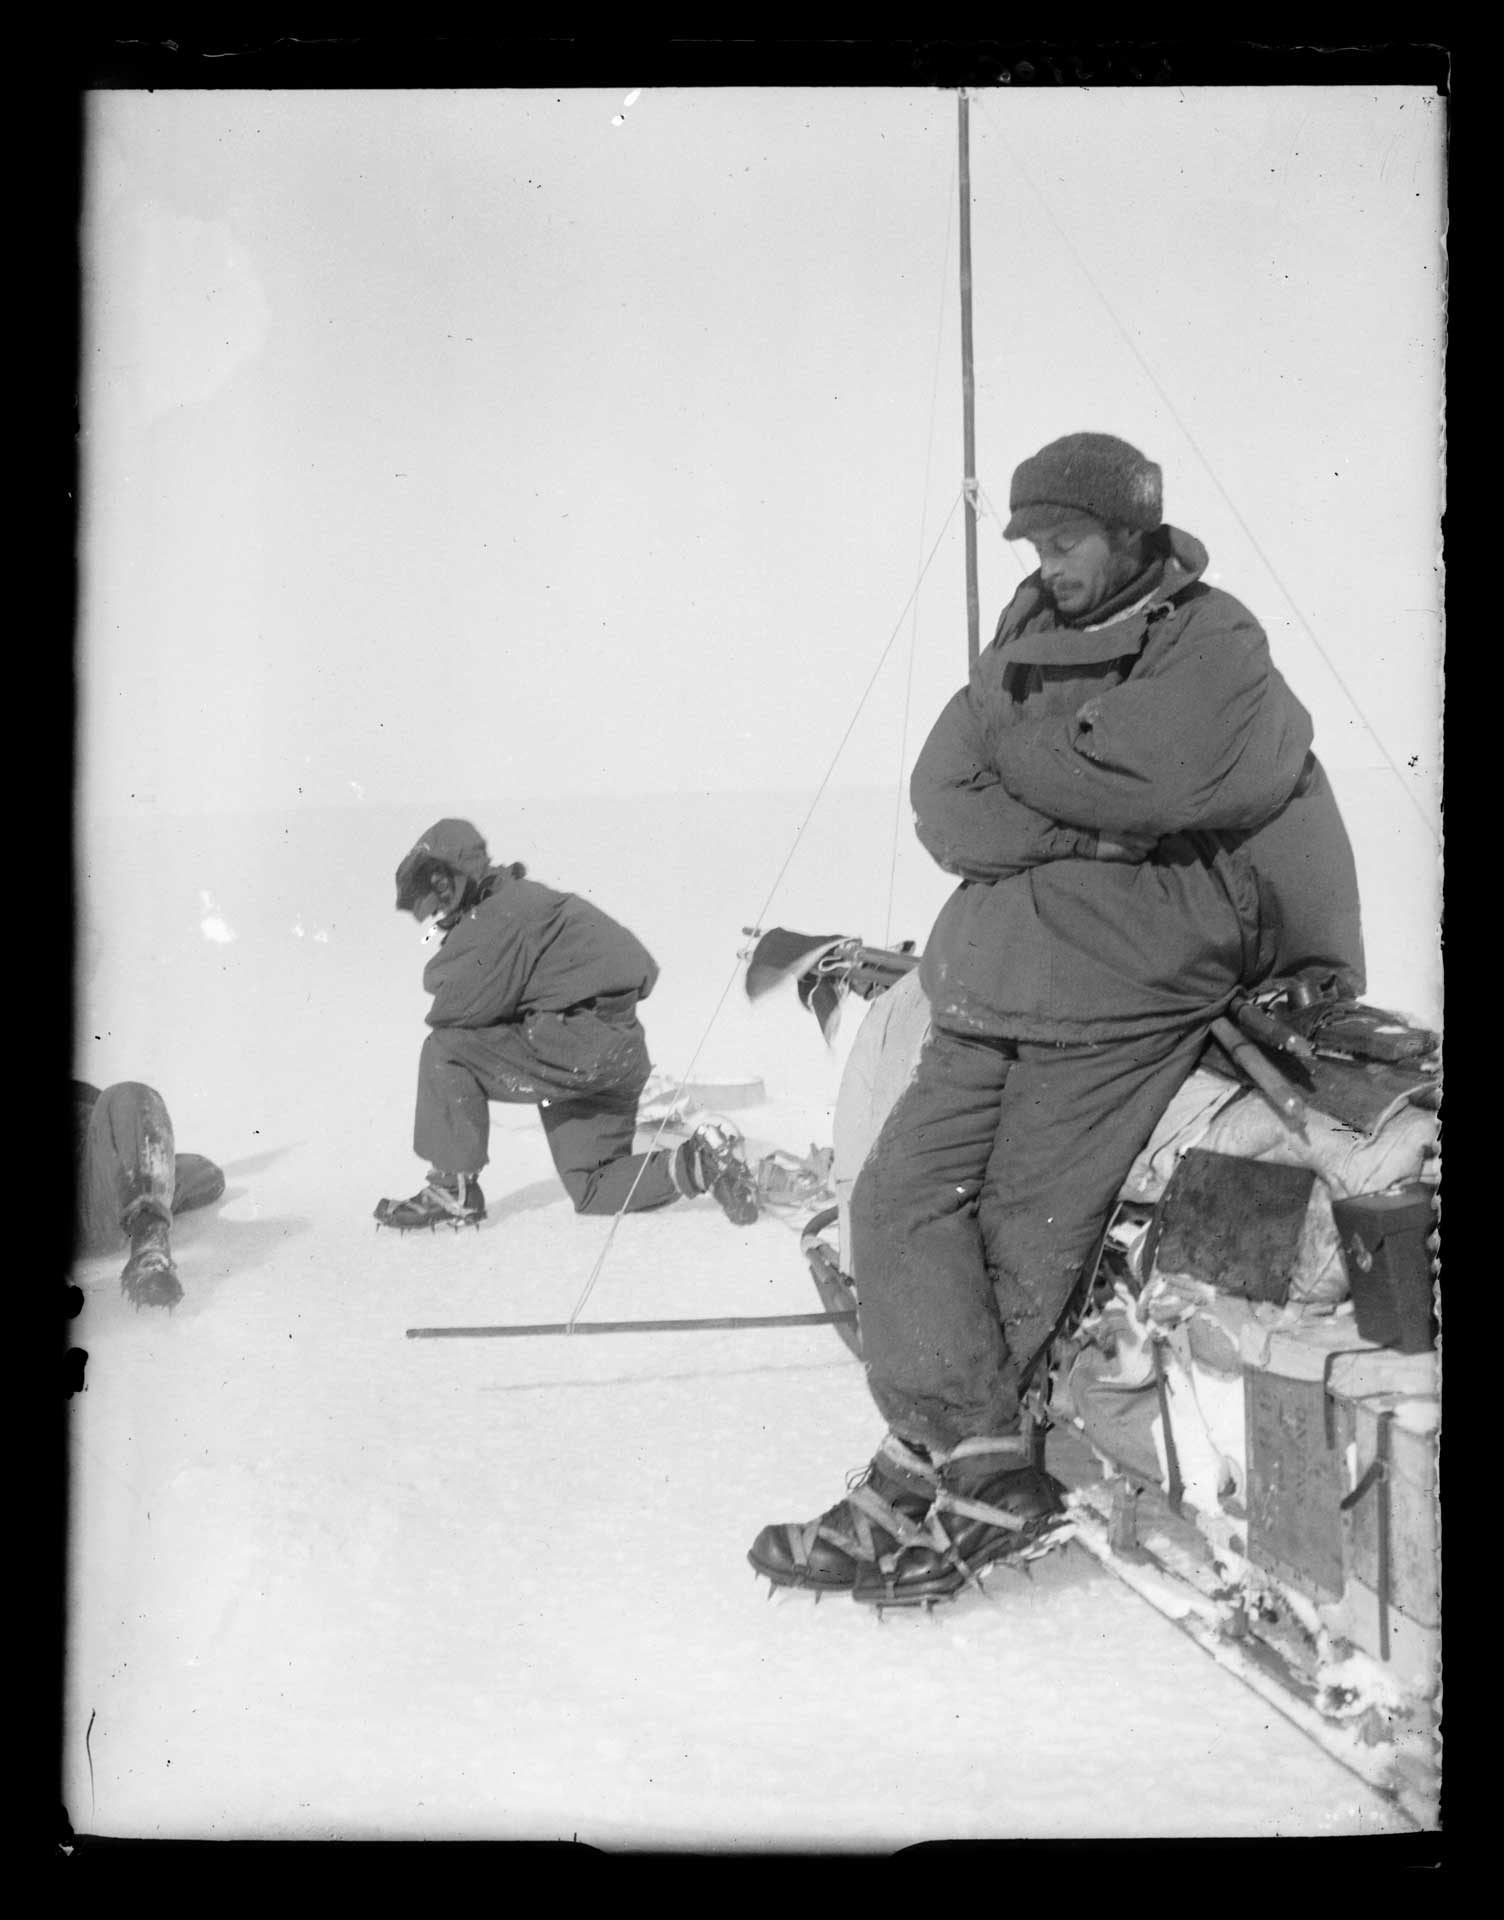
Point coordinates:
[(1232, 505), (600, 1261)]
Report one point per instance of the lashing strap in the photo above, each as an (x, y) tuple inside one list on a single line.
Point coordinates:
[(977, 1510), (1377, 1474), (866, 1501)]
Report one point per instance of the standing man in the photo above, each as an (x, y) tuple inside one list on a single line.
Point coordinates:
[(131, 1180), (1127, 794), (535, 997)]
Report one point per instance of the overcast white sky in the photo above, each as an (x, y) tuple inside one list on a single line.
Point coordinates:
[(481, 443)]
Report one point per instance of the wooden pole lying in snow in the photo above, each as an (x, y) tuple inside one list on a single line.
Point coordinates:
[(731, 1321)]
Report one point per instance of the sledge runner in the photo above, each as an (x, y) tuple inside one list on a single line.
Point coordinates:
[(131, 1181), (535, 997), (1127, 795)]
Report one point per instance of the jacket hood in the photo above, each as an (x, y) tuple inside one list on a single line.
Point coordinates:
[(1176, 560), (456, 843), (1186, 560)]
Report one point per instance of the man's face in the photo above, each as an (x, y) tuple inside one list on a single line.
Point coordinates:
[(1082, 563), (443, 891)]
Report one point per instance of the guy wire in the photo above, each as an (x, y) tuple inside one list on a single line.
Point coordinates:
[(1232, 505), (600, 1260)]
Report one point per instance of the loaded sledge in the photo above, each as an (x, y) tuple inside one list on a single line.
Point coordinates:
[(1242, 1402)]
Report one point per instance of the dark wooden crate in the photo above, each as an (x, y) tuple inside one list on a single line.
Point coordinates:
[(1295, 1482)]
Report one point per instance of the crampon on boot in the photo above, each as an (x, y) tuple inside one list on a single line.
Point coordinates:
[(993, 1504), (918, 1525), (150, 1279), (710, 1161), (795, 1181), (883, 1503), (449, 1200)]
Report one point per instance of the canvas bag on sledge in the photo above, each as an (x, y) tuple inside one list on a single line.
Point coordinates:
[(1209, 1112)]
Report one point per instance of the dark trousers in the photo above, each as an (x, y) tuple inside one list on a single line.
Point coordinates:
[(130, 1164), (585, 1074), (977, 1208)]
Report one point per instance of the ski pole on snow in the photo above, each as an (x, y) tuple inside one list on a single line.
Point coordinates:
[(729, 1321)]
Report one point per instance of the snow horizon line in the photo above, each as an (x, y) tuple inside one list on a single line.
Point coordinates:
[(146, 813)]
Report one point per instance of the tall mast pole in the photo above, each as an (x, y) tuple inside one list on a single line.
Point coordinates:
[(968, 385)]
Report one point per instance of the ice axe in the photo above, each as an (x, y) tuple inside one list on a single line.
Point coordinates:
[(1247, 1055)]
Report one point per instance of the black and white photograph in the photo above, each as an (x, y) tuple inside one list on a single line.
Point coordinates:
[(758, 975)]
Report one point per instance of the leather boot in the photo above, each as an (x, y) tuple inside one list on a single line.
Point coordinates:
[(885, 1506), (150, 1279), (992, 1503)]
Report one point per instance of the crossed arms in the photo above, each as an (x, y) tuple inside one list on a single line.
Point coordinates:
[(1206, 736)]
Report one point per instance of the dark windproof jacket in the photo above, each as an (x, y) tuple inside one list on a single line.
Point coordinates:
[(1168, 719), (522, 948)]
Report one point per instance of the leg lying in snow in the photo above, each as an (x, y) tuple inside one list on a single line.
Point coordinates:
[(132, 1181), (197, 1183)]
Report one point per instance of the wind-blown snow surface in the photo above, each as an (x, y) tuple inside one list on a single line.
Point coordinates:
[(328, 1580)]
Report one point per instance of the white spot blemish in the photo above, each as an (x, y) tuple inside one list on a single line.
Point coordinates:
[(213, 925)]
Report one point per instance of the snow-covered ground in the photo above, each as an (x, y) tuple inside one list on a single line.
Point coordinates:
[(329, 1580)]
